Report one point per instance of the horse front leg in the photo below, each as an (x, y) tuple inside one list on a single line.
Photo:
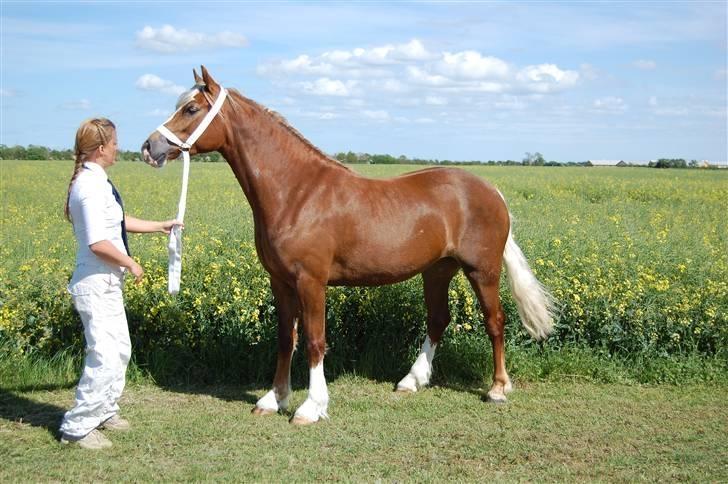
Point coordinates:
[(312, 294), (286, 301)]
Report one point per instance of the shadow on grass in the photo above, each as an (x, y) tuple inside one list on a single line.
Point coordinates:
[(22, 410), (232, 392)]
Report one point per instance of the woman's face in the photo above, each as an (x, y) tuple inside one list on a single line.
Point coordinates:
[(107, 152)]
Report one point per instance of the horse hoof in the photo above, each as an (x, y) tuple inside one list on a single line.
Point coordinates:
[(262, 411), (497, 398), (301, 421), (404, 390)]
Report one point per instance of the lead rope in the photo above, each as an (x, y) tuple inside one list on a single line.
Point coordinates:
[(174, 246)]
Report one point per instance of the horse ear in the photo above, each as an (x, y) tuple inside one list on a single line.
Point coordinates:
[(198, 79), (210, 84)]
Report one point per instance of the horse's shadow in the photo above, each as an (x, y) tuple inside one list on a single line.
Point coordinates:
[(232, 392), (22, 410)]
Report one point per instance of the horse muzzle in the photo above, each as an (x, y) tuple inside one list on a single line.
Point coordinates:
[(156, 150)]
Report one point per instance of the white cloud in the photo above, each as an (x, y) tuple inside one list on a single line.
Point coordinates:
[(328, 87), (472, 65), (546, 78), (80, 105), (386, 54), (652, 101), (644, 64), (420, 76), (400, 68), (169, 40), (610, 104), (391, 85), (357, 63), (302, 64), (150, 82)]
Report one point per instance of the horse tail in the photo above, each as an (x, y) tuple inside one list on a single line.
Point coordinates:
[(535, 303)]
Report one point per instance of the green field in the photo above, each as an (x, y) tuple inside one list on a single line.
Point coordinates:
[(631, 386), (636, 257)]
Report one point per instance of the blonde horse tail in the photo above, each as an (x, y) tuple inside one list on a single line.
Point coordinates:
[(535, 304)]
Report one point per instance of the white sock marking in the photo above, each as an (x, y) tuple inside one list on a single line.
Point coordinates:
[(316, 405), (419, 374)]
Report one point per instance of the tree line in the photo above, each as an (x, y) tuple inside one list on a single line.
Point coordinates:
[(38, 152)]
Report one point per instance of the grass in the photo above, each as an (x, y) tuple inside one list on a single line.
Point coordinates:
[(549, 431), (631, 254)]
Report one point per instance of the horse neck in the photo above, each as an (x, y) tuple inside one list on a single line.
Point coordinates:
[(270, 161)]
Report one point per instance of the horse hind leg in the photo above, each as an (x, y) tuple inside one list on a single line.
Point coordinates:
[(485, 283), (436, 283)]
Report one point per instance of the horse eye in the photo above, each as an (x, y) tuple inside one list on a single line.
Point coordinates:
[(192, 109)]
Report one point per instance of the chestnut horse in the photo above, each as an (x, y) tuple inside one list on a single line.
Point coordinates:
[(318, 223)]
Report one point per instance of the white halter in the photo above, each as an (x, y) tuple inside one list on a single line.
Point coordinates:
[(175, 236)]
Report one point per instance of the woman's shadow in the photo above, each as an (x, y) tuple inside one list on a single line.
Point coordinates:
[(19, 409)]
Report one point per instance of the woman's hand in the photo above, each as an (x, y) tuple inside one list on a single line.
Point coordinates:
[(136, 271), (167, 225)]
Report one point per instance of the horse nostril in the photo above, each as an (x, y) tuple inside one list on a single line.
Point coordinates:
[(145, 146)]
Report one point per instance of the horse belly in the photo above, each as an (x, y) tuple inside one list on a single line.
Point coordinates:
[(378, 260)]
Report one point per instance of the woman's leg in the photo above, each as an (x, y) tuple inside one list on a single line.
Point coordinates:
[(102, 315)]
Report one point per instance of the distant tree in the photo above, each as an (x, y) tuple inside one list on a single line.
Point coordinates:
[(351, 157), (35, 152), (669, 163), (535, 159), (13, 152), (383, 159)]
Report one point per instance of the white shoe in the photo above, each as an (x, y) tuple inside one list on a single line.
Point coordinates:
[(94, 440), (114, 423)]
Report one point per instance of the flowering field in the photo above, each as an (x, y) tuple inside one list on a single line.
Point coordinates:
[(636, 257)]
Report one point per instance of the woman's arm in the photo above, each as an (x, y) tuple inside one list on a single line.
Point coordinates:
[(148, 226), (107, 252)]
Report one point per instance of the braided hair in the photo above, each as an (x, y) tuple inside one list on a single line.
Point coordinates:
[(91, 134)]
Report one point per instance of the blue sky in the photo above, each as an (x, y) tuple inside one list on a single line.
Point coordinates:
[(460, 81)]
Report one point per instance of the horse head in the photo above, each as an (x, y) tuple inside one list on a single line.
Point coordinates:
[(192, 108)]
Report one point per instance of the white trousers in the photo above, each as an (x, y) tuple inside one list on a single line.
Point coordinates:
[(99, 301)]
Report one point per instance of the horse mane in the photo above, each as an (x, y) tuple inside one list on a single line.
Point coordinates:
[(285, 124)]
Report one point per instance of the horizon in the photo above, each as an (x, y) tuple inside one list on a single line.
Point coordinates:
[(465, 81)]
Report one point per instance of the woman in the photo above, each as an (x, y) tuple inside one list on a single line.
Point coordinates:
[(96, 211)]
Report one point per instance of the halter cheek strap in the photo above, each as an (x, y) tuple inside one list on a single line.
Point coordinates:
[(174, 246)]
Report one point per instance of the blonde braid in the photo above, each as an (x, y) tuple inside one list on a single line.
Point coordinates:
[(87, 141)]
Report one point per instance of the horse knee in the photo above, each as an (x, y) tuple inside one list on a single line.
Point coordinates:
[(316, 349), (436, 326)]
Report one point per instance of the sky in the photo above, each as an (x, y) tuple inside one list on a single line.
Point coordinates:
[(575, 81)]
